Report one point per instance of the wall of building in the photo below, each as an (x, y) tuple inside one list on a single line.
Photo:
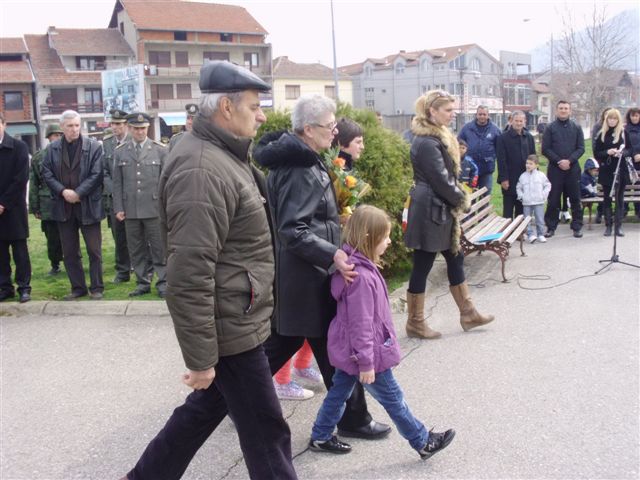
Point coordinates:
[(308, 87), (26, 113)]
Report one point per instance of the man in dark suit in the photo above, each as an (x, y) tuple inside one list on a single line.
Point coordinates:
[(14, 219)]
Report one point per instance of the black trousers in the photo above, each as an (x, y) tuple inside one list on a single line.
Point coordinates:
[(511, 206), (607, 204), (54, 246), (119, 232), (567, 182), (72, 259), (280, 349), (423, 262), (23, 267), (242, 388)]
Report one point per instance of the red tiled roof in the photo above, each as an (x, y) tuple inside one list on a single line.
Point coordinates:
[(96, 41), (48, 68), (285, 68), (190, 16), (14, 45), (15, 72), (446, 54)]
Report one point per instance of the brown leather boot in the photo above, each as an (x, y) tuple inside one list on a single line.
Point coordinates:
[(417, 326), (469, 316)]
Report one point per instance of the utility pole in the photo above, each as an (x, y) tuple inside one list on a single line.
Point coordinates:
[(335, 63)]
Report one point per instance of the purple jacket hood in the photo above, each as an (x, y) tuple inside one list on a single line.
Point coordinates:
[(361, 335)]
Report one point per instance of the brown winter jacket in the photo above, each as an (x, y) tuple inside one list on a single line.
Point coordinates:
[(220, 264)]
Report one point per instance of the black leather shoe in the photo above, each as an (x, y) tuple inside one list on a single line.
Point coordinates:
[(96, 295), (162, 294), (607, 231), (139, 291), (619, 232), (121, 280), (333, 445), (372, 431), (577, 233), (54, 270), (25, 297), (550, 233), (73, 296), (437, 441)]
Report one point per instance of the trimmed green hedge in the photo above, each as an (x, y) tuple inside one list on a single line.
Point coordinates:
[(384, 164)]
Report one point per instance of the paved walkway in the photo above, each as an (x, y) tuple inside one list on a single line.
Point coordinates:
[(550, 390)]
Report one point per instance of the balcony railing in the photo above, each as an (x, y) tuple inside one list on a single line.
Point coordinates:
[(170, 104), (190, 70), (58, 108)]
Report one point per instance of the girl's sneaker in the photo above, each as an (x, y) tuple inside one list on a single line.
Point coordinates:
[(532, 238), (292, 391), (310, 374), (542, 239)]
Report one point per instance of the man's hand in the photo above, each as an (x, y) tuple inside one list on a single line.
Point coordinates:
[(368, 377), (1, 209), (199, 380), (636, 157), (505, 184), (564, 164), (346, 269), (120, 216), (70, 196)]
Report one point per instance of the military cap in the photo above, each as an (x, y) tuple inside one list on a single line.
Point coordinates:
[(138, 119), (221, 76), (51, 129), (118, 116), (192, 109)]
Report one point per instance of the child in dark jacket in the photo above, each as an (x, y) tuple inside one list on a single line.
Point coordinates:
[(362, 342), (589, 178), (468, 168)]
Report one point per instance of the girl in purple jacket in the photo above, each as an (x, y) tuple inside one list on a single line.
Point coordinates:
[(362, 342)]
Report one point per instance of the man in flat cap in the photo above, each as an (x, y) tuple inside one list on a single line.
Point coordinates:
[(40, 202), (192, 111), (119, 136), (138, 164), (220, 272)]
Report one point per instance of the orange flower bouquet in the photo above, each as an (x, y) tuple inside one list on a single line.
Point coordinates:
[(348, 187)]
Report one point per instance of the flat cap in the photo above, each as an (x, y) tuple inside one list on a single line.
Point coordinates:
[(139, 119), (192, 109), (118, 116), (51, 129), (220, 76)]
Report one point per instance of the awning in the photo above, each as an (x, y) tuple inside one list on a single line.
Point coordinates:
[(174, 118), (15, 129)]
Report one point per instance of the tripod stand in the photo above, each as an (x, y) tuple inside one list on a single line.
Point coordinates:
[(615, 195)]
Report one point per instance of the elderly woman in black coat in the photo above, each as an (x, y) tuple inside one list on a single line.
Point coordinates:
[(307, 240), (437, 200)]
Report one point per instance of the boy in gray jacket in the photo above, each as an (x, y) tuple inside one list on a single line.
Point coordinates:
[(533, 189)]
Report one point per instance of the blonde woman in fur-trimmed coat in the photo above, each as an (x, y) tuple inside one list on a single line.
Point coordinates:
[(437, 200)]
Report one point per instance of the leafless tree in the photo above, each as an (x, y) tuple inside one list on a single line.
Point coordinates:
[(589, 61)]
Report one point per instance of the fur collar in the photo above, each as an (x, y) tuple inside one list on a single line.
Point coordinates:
[(442, 134)]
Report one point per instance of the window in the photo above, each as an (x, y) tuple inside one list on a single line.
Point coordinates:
[(545, 101), (368, 71), (517, 94), (91, 63), (476, 66), (215, 56), (160, 92), (330, 91), (399, 68), (182, 59), (476, 90), (455, 88), (291, 92), (183, 90), (370, 104), (424, 65), (161, 59), (251, 60), (369, 93), (13, 101), (458, 63), (122, 28), (180, 36), (493, 68), (226, 37), (92, 96)]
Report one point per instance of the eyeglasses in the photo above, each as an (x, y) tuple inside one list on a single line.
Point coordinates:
[(329, 126), (439, 94)]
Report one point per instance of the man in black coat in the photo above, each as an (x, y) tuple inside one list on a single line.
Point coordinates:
[(512, 149), (563, 145), (14, 219), (72, 168)]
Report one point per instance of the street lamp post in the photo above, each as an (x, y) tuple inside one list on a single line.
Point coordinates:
[(461, 72), (335, 63)]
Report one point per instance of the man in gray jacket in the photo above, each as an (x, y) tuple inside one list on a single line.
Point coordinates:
[(220, 270)]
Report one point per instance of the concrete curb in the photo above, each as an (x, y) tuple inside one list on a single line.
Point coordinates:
[(155, 308)]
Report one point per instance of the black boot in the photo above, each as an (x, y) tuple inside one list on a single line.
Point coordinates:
[(598, 217), (608, 221), (608, 231), (619, 232)]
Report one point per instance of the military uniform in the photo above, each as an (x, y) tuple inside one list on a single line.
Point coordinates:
[(123, 263), (40, 204), (192, 110), (137, 169)]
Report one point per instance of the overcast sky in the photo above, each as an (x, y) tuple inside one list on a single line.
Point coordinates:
[(364, 28)]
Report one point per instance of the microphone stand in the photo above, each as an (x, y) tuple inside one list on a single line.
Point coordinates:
[(615, 190)]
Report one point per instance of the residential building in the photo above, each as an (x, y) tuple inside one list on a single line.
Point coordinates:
[(17, 90), (67, 65), (291, 79), (174, 38), (391, 85)]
